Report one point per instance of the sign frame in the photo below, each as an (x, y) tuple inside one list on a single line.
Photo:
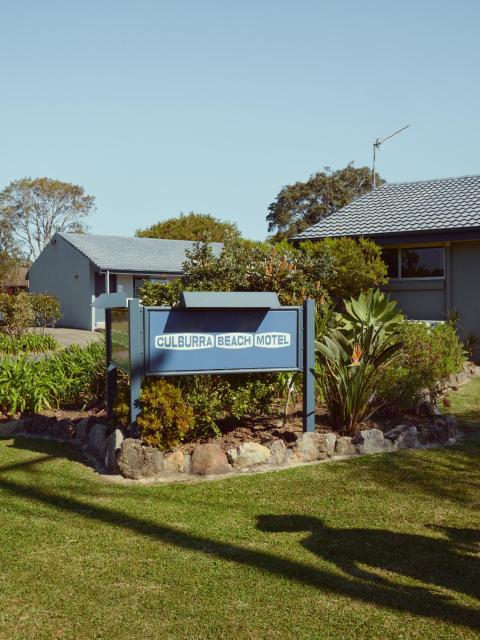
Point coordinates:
[(139, 342)]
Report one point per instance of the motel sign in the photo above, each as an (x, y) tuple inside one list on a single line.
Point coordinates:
[(209, 333)]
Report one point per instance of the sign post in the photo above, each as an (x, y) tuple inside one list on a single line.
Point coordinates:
[(210, 333), (309, 365)]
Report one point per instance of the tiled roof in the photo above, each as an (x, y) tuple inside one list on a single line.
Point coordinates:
[(427, 205), (141, 255)]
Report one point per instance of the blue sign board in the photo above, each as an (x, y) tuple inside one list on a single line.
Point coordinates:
[(184, 341), (251, 332)]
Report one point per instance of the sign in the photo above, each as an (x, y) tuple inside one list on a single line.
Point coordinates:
[(250, 333), (222, 340)]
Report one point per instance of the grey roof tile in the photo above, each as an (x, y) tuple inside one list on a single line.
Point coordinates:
[(141, 255), (426, 205)]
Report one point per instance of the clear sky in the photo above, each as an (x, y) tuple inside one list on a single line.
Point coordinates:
[(158, 107)]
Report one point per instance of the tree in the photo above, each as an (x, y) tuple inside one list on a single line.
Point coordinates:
[(192, 226), (300, 205), (33, 210)]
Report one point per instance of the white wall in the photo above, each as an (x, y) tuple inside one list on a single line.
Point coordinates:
[(125, 284), (65, 273)]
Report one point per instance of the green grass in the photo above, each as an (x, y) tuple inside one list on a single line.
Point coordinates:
[(380, 547)]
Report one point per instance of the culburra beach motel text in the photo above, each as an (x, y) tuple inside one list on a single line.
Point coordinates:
[(194, 341)]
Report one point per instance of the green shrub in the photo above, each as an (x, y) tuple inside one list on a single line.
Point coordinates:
[(352, 356), (27, 343), (80, 374), (214, 398), (356, 265), (25, 386), (46, 308), (245, 265), (16, 314), (428, 355), (70, 378), (165, 416)]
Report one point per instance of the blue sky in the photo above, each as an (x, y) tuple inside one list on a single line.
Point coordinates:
[(159, 107)]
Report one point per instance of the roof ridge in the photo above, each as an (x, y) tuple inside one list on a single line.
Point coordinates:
[(67, 234), (425, 180)]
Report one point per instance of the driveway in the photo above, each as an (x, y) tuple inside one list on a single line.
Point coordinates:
[(65, 337)]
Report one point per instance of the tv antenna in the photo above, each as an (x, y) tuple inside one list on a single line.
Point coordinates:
[(376, 146)]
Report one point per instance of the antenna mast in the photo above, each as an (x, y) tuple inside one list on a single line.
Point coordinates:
[(376, 147)]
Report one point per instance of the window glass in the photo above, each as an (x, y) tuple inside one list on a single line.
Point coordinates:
[(425, 262), (390, 257)]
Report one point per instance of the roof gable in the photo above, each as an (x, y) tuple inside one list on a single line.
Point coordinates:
[(426, 205), (141, 255)]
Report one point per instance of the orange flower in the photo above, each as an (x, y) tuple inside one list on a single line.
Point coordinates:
[(356, 355)]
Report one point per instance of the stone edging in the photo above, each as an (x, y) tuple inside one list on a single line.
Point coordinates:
[(113, 454)]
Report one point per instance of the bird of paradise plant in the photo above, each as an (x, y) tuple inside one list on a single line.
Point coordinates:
[(351, 356)]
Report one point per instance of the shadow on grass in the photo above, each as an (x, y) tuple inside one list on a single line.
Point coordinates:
[(439, 563), (431, 472)]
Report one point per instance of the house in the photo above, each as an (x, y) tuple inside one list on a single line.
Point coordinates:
[(430, 234), (18, 281), (78, 267)]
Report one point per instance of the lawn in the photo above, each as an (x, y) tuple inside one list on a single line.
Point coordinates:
[(377, 547)]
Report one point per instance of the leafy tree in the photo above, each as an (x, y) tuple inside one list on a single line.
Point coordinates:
[(357, 265), (331, 269), (192, 226), (300, 205), (32, 210)]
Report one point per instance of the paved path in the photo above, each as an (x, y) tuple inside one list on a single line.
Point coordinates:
[(66, 337)]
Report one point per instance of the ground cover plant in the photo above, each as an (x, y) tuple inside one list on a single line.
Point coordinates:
[(379, 547), (70, 377), (27, 343)]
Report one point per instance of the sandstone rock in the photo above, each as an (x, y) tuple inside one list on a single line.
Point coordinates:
[(81, 431), (403, 436), (278, 452), (96, 440), (452, 426), (369, 441), (408, 439), (462, 377), (344, 446), (13, 427), (187, 463), (251, 454), (232, 455), (209, 459), (329, 441), (113, 446), (136, 461), (436, 432), (314, 446), (173, 462)]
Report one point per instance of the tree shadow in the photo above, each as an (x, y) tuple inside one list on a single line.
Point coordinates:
[(360, 553), (345, 548), (429, 471)]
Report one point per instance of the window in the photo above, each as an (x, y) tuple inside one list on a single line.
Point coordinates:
[(415, 262), (390, 257), (425, 262), (139, 281)]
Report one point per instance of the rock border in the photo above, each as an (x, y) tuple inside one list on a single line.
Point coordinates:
[(112, 453)]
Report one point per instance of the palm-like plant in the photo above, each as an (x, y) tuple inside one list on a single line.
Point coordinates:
[(351, 356)]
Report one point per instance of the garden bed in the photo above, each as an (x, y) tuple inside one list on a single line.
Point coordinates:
[(260, 443)]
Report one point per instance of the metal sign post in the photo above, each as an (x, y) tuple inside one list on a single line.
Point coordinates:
[(211, 333)]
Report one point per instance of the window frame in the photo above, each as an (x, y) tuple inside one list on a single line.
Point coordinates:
[(399, 262)]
